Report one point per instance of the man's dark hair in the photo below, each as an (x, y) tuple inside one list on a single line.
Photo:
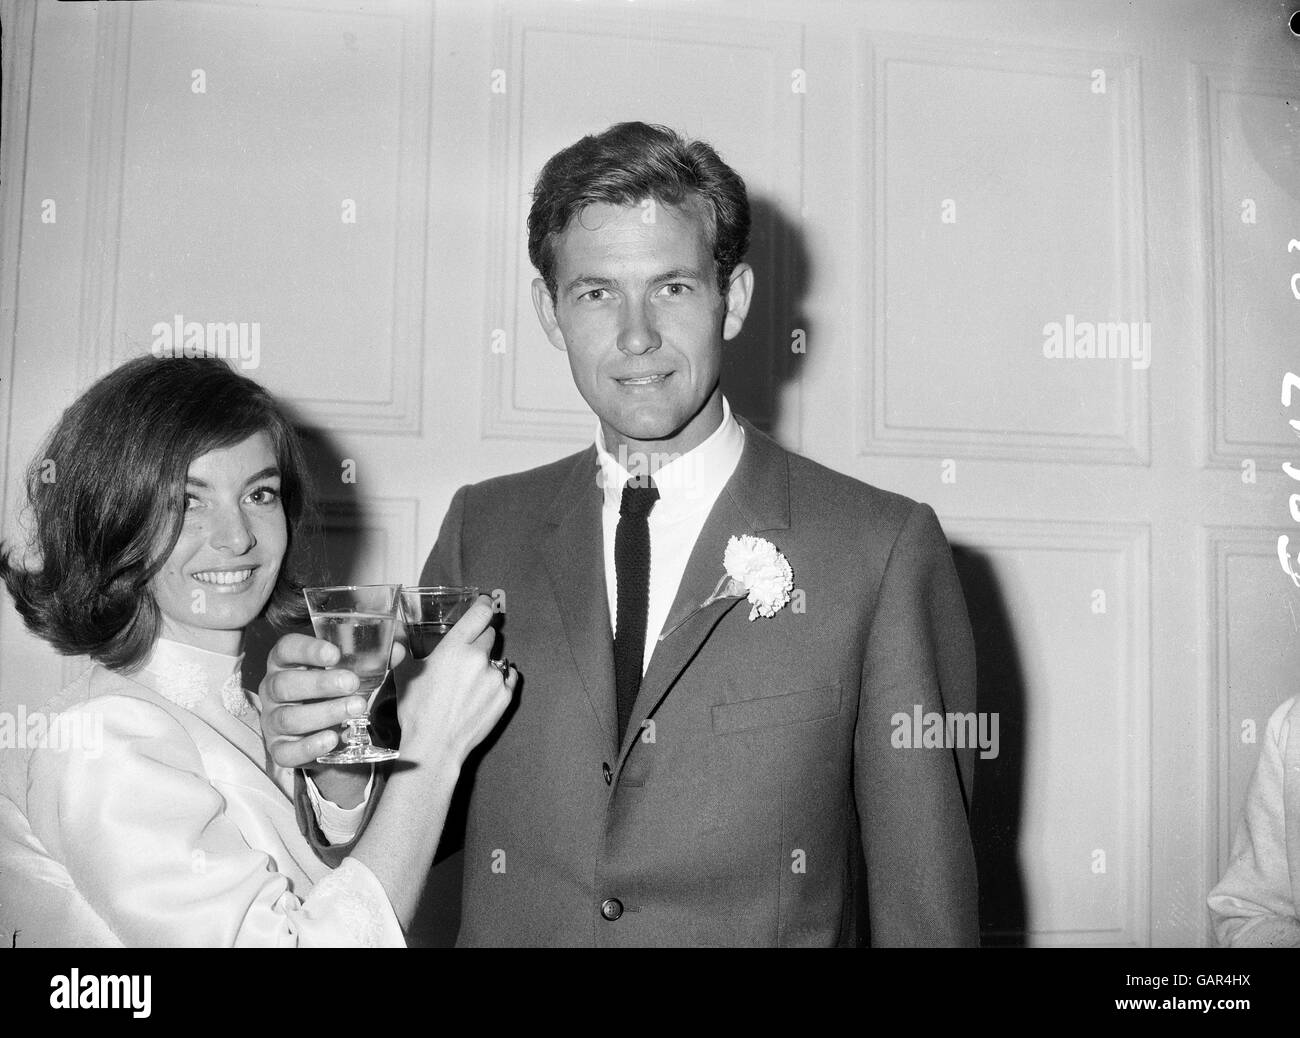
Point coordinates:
[(107, 496), (625, 165)]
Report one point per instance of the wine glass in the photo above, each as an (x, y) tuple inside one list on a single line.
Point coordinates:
[(359, 620), (431, 612)]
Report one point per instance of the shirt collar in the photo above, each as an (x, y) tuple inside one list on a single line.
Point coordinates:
[(689, 480), (186, 675)]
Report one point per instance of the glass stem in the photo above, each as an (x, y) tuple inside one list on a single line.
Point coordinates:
[(358, 735)]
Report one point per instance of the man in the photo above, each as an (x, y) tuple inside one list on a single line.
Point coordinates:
[(696, 757)]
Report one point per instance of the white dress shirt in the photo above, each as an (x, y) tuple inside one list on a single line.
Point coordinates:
[(688, 487)]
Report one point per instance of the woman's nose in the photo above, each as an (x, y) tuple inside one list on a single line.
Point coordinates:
[(232, 533)]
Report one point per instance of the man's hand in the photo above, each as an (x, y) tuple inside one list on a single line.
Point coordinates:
[(303, 705)]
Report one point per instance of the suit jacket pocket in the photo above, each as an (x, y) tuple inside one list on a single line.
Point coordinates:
[(773, 711)]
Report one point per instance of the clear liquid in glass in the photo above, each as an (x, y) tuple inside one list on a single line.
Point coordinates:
[(363, 641)]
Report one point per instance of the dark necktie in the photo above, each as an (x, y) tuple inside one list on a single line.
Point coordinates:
[(632, 570)]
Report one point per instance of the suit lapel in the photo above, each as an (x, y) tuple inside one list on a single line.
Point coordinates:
[(575, 560), (756, 499)]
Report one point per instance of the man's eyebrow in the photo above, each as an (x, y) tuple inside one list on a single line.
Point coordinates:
[(589, 279), (679, 274)]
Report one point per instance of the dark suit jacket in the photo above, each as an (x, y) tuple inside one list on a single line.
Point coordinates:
[(736, 817)]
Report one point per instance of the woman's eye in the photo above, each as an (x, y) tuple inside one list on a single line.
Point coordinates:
[(264, 496), (191, 502)]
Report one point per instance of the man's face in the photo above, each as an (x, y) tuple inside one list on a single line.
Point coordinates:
[(638, 311)]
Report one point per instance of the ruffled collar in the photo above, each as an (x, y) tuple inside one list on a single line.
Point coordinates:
[(188, 675)]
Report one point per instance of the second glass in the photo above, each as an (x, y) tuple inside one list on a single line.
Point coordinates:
[(431, 612)]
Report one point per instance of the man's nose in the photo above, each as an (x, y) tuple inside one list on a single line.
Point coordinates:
[(637, 332), (231, 532)]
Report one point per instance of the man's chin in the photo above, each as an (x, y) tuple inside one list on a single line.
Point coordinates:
[(649, 434), (642, 423)]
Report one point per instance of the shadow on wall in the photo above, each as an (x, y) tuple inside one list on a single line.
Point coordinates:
[(760, 361), (999, 782)]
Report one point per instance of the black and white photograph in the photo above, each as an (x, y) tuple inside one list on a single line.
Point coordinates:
[(651, 474)]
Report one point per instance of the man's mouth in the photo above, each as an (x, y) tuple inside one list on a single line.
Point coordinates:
[(643, 380), (224, 577)]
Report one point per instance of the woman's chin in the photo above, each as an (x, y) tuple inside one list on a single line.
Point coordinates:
[(235, 612), (206, 631)]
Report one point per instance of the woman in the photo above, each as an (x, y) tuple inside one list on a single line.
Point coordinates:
[(167, 507)]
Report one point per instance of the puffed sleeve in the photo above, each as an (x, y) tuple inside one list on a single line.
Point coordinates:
[(1253, 905), (145, 837)]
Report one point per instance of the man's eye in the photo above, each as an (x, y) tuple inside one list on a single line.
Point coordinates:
[(677, 289), (595, 295)]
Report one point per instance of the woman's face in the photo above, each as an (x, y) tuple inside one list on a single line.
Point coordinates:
[(224, 567)]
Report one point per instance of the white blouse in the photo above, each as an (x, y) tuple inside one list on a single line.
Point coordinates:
[(1255, 904), (157, 800)]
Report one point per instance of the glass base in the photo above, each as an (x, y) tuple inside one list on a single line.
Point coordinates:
[(357, 747), (358, 755)]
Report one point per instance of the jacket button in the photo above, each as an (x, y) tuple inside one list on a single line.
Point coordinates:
[(611, 908), (609, 774)]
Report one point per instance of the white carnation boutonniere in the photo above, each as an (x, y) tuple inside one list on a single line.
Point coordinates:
[(758, 572)]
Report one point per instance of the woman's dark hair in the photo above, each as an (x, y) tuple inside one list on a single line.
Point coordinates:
[(625, 165), (107, 496)]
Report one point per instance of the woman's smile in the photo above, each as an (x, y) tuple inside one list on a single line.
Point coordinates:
[(226, 580)]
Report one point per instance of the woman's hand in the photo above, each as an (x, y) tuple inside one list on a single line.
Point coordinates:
[(450, 705), (303, 704)]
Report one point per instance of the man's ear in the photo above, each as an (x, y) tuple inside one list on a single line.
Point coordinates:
[(545, 307), (740, 291)]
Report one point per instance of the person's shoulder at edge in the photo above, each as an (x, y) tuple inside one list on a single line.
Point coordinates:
[(1252, 905), (1283, 720), (1282, 723)]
